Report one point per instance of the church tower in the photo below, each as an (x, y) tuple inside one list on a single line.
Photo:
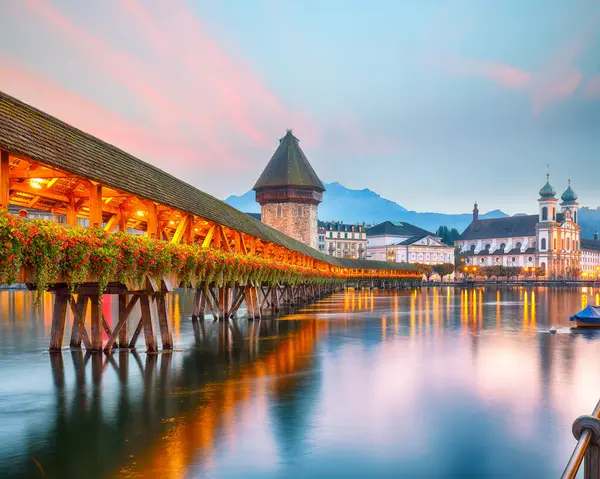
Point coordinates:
[(289, 192), (569, 203), (547, 228)]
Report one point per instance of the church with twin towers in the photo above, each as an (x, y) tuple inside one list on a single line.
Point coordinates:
[(549, 241)]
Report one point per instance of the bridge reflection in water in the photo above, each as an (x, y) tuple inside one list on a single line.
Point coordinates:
[(174, 414)]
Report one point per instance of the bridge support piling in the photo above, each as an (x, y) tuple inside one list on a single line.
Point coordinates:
[(163, 322), (59, 317)]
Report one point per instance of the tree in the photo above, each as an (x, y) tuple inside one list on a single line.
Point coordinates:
[(448, 236), (573, 272), (539, 272), (444, 269), (425, 269)]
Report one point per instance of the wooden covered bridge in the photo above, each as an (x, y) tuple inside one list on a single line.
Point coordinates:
[(121, 226)]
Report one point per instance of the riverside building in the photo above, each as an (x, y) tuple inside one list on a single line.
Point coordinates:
[(549, 240), (402, 242), (344, 240)]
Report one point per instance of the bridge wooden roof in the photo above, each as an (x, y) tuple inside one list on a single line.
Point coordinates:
[(26, 132)]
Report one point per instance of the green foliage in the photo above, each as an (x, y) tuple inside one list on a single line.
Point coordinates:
[(449, 236)]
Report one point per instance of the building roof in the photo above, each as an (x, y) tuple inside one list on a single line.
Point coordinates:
[(501, 227), (397, 228), (28, 132), (590, 244), (547, 191), (569, 196), (289, 167)]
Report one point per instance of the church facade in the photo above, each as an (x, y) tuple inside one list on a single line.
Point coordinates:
[(549, 241)]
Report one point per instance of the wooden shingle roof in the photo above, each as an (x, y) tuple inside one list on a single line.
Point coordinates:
[(28, 132), (289, 167)]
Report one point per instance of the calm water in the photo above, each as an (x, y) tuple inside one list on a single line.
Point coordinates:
[(438, 383)]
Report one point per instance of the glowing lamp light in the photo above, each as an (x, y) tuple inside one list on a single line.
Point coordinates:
[(171, 222), (36, 183), (140, 213)]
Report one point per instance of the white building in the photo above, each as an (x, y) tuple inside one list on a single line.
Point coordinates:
[(549, 240), (344, 240), (590, 258), (405, 243)]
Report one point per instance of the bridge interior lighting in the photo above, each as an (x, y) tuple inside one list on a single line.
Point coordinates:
[(140, 213), (171, 222), (36, 183)]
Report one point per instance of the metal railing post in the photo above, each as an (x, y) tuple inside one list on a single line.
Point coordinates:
[(586, 430)]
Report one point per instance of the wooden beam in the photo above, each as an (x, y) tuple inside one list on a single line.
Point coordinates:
[(43, 174), (243, 244), (224, 240), (209, 236), (95, 205), (71, 212), (180, 230), (111, 223), (152, 220), (4, 172)]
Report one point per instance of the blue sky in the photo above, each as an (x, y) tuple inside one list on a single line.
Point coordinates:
[(433, 104)]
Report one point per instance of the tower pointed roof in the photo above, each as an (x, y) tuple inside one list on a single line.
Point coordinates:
[(289, 167), (547, 190), (569, 196)]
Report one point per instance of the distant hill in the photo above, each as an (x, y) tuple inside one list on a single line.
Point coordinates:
[(358, 206)]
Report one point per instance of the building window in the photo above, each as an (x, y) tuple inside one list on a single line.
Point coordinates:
[(299, 210), (543, 243), (279, 212), (497, 260), (544, 214), (554, 243), (530, 259), (519, 246), (553, 214), (514, 259), (488, 246)]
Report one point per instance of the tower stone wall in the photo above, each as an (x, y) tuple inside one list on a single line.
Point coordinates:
[(289, 192), (293, 219)]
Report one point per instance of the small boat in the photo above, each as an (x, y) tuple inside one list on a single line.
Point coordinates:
[(589, 317)]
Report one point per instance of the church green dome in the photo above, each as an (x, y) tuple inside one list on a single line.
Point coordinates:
[(569, 196), (547, 191)]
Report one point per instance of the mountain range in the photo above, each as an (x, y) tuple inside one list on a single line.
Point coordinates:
[(366, 206)]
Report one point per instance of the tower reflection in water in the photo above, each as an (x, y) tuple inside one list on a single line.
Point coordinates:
[(172, 415)]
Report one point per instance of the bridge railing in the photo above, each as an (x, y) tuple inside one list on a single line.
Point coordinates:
[(586, 430)]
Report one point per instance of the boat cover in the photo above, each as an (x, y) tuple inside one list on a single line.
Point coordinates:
[(590, 314)]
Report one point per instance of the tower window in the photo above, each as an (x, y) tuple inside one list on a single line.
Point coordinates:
[(544, 214), (543, 244)]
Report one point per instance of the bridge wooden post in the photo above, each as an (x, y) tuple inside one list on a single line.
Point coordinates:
[(147, 323), (163, 322), (96, 327), (79, 310), (249, 303), (123, 318), (59, 316)]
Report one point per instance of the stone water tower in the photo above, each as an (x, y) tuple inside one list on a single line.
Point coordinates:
[(289, 192)]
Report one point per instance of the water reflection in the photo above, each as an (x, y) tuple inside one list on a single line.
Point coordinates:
[(361, 384)]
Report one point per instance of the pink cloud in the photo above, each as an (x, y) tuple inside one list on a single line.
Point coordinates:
[(558, 80), (45, 94)]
